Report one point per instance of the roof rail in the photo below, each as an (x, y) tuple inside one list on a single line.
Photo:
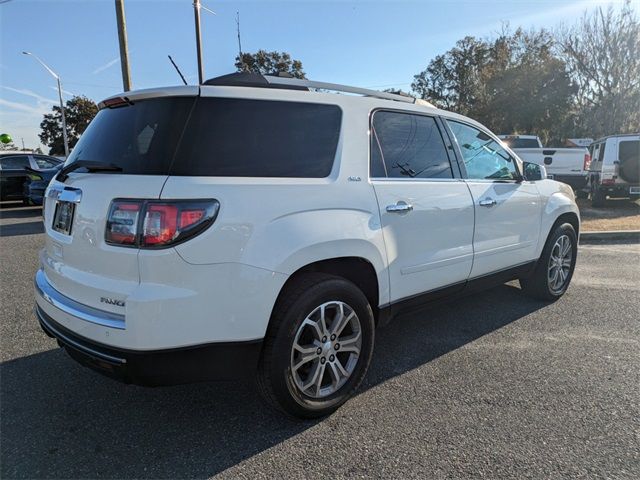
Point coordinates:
[(247, 79)]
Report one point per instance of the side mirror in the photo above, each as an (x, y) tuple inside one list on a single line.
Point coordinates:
[(533, 171)]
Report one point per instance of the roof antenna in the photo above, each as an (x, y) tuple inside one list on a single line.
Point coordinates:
[(239, 44), (177, 69)]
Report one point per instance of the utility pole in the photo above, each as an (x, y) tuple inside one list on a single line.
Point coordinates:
[(196, 13), (124, 48)]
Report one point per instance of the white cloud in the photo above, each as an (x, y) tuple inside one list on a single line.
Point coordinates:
[(109, 64), (21, 107), (64, 92), (31, 93)]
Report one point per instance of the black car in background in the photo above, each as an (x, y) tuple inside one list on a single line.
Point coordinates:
[(25, 176)]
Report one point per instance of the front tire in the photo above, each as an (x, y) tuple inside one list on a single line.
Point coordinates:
[(318, 346), (554, 269)]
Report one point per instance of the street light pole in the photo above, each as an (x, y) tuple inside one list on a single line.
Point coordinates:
[(196, 11), (64, 120)]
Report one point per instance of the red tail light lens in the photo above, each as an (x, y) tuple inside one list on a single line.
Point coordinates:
[(158, 224), (587, 162), (122, 223)]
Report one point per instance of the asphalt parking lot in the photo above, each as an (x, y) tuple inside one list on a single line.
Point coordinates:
[(495, 385)]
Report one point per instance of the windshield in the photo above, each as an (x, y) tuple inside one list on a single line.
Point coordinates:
[(140, 138)]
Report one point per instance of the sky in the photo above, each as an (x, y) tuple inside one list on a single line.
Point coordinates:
[(373, 44)]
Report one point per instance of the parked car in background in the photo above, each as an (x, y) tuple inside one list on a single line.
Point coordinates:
[(18, 168), (36, 183), (615, 168), (567, 165), (254, 225)]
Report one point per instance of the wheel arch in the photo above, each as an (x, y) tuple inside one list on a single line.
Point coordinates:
[(358, 270)]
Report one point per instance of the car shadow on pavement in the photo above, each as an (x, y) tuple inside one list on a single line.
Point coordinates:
[(25, 228), (60, 420), (24, 212)]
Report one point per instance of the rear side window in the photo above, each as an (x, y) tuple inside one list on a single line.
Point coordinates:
[(629, 150), (407, 146), (601, 153), (15, 162), (259, 138), (140, 138), (45, 162)]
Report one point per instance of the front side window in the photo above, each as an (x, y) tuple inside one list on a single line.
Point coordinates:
[(407, 146), (484, 157), (15, 162)]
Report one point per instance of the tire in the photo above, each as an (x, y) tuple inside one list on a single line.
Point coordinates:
[(295, 316), (540, 284), (597, 198), (582, 194)]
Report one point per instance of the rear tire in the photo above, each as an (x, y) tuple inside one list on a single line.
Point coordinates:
[(554, 269), (582, 194), (310, 319), (597, 198)]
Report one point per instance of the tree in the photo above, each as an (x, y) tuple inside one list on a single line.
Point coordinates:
[(79, 111), (513, 83), (452, 80), (602, 52), (269, 63)]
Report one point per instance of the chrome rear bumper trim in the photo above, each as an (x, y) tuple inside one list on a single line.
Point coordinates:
[(73, 308)]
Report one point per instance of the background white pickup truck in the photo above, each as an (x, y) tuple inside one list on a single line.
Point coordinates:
[(567, 165)]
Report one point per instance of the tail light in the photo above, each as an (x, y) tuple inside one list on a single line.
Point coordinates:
[(156, 223), (587, 162)]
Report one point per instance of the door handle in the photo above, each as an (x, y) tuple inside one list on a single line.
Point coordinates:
[(487, 202), (399, 207)]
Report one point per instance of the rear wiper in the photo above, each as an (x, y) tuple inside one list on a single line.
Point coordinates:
[(89, 165)]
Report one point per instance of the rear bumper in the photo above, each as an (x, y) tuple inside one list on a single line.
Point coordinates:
[(216, 361), (577, 182), (619, 189)]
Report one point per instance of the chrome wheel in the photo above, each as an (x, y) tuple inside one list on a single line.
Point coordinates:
[(326, 349), (560, 264)]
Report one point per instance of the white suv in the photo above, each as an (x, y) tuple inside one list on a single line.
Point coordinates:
[(262, 224)]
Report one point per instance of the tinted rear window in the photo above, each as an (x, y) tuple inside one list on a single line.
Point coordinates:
[(521, 142), (139, 138), (259, 138)]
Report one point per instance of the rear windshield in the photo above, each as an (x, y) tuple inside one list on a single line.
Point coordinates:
[(521, 142), (140, 138), (215, 137)]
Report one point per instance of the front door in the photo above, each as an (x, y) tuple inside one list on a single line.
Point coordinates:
[(426, 211), (507, 208)]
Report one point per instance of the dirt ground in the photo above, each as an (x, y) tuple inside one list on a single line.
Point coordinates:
[(617, 214)]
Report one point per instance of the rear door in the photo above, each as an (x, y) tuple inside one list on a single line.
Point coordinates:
[(507, 208), (425, 208), (141, 138)]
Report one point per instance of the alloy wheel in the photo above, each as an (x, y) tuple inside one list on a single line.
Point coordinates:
[(560, 262), (326, 349)]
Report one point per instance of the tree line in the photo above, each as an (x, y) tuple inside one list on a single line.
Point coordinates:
[(577, 81), (581, 80)]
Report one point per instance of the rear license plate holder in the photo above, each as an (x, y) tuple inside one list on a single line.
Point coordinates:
[(63, 217), (634, 190)]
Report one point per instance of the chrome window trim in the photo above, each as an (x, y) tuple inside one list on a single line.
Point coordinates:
[(76, 309)]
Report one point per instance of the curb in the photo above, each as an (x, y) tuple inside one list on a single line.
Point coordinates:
[(627, 236)]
